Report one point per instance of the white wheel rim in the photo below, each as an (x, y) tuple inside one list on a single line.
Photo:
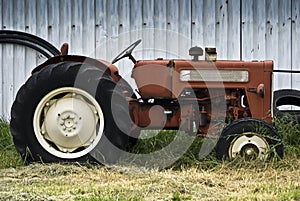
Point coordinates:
[(249, 145), (68, 122)]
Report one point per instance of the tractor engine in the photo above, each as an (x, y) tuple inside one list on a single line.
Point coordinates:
[(199, 95)]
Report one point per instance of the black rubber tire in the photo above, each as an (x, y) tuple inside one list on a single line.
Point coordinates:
[(65, 74), (29, 40), (248, 125), (286, 97)]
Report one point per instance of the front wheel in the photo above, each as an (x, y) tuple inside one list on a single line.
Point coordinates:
[(64, 113), (250, 139)]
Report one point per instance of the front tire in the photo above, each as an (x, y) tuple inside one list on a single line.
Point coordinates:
[(250, 139), (64, 113)]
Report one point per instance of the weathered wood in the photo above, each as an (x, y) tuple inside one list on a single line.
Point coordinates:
[(197, 23), (233, 30), (209, 21), (173, 25), (283, 80), (246, 29), (148, 29), (77, 31), (296, 43), (100, 29), (42, 25), (1, 63), (18, 61), (221, 28), (160, 25), (185, 16), (30, 27), (88, 27), (7, 59)]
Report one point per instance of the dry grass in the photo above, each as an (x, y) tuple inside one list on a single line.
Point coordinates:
[(77, 182), (187, 179)]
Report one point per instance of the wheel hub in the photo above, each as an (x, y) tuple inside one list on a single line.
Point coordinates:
[(249, 146), (68, 122)]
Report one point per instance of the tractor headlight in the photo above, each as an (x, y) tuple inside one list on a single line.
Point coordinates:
[(204, 75)]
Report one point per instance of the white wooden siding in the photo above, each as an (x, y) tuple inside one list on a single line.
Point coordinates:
[(239, 29)]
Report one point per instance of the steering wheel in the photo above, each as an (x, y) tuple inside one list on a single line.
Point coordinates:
[(127, 52)]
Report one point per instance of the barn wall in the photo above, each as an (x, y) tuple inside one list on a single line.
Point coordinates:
[(239, 29)]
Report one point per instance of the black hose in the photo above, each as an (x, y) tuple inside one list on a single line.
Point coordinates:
[(29, 40)]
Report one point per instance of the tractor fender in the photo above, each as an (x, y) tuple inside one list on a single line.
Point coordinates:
[(105, 66)]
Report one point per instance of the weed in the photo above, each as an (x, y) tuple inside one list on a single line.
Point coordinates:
[(8, 154)]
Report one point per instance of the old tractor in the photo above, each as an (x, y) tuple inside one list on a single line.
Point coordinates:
[(74, 107)]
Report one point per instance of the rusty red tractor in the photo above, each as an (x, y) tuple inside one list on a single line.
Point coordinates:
[(72, 106)]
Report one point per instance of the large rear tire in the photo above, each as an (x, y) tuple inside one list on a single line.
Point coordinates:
[(64, 113)]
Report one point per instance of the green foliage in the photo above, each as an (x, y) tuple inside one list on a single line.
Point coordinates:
[(152, 141), (289, 129), (8, 154)]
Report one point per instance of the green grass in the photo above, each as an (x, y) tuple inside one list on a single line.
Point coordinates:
[(187, 179), (9, 157)]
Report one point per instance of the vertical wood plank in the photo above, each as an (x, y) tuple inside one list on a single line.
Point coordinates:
[(148, 29), (77, 31), (173, 24), (221, 28), (1, 63), (259, 29), (136, 20), (197, 23), (125, 10), (53, 23), (233, 30), (185, 16), (136, 26), (160, 37), (247, 29), (112, 29), (88, 28), (209, 23), (19, 51), (42, 24), (7, 62), (101, 29), (65, 22), (272, 31), (283, 80), (296, 43), (30, 27)]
